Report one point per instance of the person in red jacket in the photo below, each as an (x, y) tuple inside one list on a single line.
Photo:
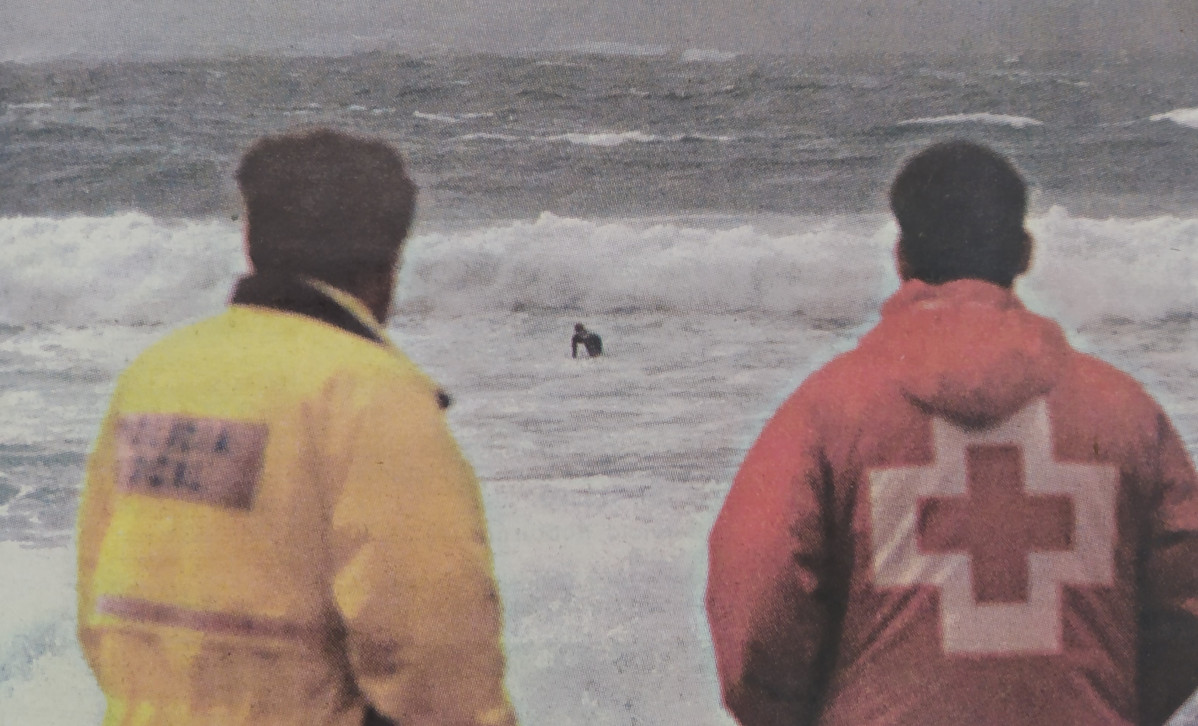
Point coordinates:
[(963, 520)]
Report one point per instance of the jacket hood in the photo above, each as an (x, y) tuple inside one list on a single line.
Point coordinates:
[(967, 350)]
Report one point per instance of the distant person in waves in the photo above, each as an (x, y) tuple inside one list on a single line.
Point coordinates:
[(591, 341), (277, 526), (964, 520)]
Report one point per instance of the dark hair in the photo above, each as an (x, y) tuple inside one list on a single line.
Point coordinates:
[(324, 203), (960, 209)]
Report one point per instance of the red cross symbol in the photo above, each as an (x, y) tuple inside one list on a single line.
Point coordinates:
[(997, 523), (998, 526)]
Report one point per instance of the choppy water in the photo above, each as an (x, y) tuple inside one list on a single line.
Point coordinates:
[(586, 135)]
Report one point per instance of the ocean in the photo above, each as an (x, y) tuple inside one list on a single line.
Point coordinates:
[(720, 220)]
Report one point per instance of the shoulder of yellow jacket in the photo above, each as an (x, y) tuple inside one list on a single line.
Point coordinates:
[(269, 345)]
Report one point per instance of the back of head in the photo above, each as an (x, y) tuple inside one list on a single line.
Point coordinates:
[(960, 209), (325, 204)]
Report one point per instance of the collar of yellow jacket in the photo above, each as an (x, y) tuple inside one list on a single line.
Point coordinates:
[(353, 305), (320, 301), (311, 298), (361, 312)]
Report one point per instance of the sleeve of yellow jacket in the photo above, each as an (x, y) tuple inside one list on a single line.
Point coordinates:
[(413, 578)]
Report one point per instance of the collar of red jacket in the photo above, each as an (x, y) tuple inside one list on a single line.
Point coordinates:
[(967, 350)]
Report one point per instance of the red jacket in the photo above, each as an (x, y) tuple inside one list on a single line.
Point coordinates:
[(962, 521)]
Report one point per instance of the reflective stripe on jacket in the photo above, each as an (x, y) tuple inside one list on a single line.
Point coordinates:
[(278, 529)]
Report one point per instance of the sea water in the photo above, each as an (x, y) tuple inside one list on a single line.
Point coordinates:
[(763, 251)]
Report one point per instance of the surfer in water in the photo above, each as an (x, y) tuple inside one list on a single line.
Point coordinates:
[(591, 341)]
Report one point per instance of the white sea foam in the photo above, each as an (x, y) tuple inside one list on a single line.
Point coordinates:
[(434, 117), (605, 138), (486, 136), (560, 263), (132, 269), (43, 678), (451, 119), (1085, 270), (1090, 269), (706, 55), (996, 119), (1181, 116), (703, 137), (615, 138), (619, 49), (127, 268)]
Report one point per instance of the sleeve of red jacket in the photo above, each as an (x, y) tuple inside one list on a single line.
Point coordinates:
[(766, 600), (1168, 669)]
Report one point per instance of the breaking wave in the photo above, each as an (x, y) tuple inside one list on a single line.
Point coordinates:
[(706, 55), (451, 118), (1181, 116), (487, 136), (604, 139), (615, 138), (131, 269), (615, 48), (611, 138), (994, 119), (128, 268), (560, 263)]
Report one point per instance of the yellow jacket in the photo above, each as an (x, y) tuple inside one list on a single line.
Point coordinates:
[(278, 529)]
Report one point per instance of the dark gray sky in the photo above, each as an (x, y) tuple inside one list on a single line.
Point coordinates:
[(40, 29)]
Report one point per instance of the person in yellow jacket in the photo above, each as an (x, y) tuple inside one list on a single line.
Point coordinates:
[(277, 527)]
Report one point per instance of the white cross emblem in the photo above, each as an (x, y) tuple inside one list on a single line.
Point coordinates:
[(999, 527)]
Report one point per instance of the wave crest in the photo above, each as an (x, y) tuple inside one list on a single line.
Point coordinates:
[(1182, 117), (706, 55), (128, 269), (572, 264), (131, 269), (994, 119), (615, 138), (608, 138)]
